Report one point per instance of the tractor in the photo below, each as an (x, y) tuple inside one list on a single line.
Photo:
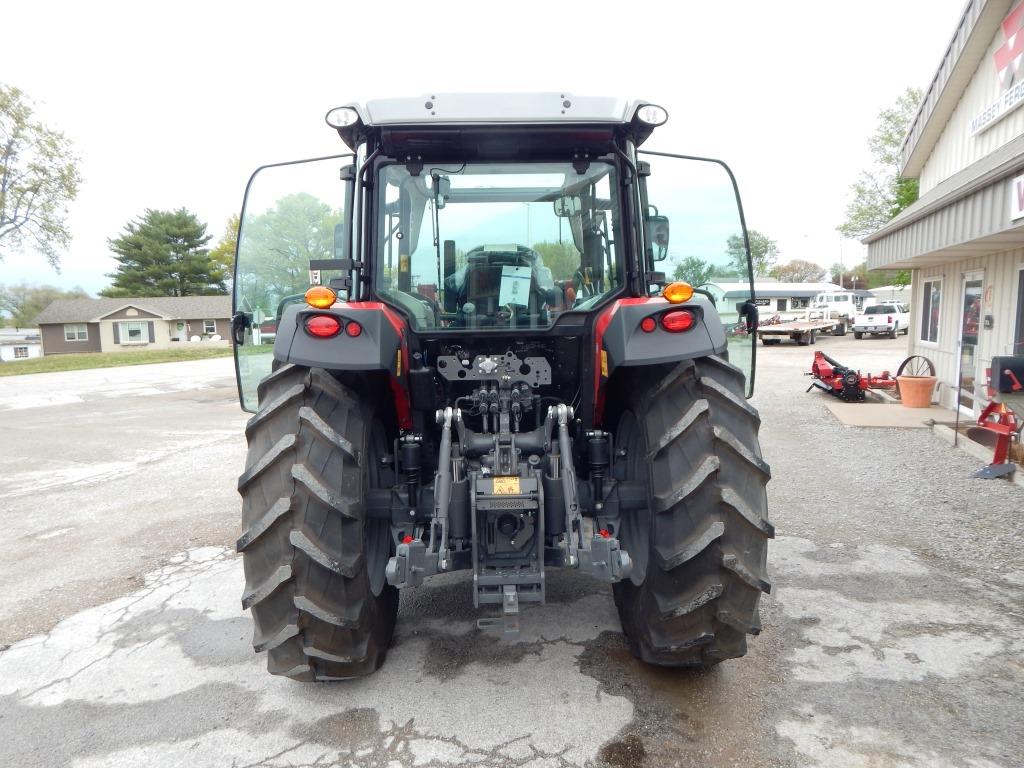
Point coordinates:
[(478, 365)]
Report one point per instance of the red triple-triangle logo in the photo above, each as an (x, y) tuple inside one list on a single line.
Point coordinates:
[(1008, 57)]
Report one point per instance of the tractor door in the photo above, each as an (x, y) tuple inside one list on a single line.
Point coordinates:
[(694, 230), (293, 217)]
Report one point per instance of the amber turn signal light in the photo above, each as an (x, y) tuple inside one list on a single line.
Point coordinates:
[(321, 297), (677, 293)]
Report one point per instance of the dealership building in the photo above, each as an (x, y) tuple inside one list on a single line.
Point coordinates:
[(964, 237)]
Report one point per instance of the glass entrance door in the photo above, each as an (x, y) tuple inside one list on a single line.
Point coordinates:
[(970, 328)]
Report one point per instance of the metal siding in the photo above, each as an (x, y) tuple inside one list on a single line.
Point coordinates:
[(1000, 274), (948, 232), (956, 148)]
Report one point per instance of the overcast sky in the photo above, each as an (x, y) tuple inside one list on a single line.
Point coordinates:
[(174, 104)]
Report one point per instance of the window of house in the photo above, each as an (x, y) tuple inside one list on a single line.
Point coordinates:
[(76, 332), (209, 326), (133, 333), (20, 352), (931, 301), (799, 303)]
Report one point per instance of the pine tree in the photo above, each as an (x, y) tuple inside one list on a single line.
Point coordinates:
[(164, 254)]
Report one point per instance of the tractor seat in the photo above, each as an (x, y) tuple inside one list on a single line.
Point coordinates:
[(478, 288)]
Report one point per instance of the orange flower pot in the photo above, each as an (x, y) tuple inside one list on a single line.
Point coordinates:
[(916, 391)]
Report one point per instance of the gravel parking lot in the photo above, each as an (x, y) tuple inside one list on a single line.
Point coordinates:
[(892, 636)]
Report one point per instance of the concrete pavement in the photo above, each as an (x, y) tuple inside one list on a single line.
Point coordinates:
[(891, 638)]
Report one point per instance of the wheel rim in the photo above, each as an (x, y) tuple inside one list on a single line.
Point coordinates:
[(376, 533), (916, 365), (635, 527)]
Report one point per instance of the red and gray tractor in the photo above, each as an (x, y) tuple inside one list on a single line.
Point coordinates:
[(478, 363)]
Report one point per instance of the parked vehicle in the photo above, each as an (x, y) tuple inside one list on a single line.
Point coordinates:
[(882, 320), (840, 306), (439, 405)]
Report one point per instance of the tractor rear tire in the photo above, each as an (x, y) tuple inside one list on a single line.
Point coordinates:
[(700, 548), (314, 565)]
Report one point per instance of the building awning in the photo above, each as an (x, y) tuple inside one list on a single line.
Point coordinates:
[(966, 215)]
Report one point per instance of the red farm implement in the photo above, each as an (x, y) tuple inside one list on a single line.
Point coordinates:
[(845, 383)]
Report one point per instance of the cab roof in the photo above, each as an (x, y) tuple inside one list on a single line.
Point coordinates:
[(496, 108), (429, 120)]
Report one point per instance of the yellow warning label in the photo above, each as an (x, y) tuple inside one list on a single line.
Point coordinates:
[(398, 363), (403, 263), (604, 363), (506, 485)]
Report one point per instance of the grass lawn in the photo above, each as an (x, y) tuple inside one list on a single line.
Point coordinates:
[(109, 359)]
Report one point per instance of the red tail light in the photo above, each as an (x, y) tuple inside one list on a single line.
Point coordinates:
[(323, 326), (353, 329), (648, 324), (678, 321), (888, 319)]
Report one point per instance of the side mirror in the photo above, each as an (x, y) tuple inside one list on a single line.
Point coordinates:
[(658, 228), (566, 207), (750, 312), (240, 321)]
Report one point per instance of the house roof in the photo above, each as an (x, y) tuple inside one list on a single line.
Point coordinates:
[(775, 290), (92, 310)]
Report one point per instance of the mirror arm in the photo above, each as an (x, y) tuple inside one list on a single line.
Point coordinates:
[(709, 294)]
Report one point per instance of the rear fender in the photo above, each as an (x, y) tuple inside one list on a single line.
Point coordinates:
[(626, 344), (381, 345), (620, 342)]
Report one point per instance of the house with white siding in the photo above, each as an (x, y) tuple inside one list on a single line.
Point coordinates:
[(964, 237), (19, 344)]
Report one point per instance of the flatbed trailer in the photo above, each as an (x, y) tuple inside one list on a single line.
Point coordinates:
[(803, 332)]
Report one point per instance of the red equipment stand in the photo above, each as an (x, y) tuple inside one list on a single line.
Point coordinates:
[(998, 426)]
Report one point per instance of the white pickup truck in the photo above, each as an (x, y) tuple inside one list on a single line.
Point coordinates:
[(886, 319)]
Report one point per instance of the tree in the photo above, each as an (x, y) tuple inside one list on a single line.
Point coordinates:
[(798, 271), (277, 246), (223, 253), (561, 258), (38, 179), (860, 277), (763, 253), (23, 301), (694, 270), (879, 193), (164, 254)]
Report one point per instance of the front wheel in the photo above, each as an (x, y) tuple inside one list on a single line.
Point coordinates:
[(700, 548), (314, 564)]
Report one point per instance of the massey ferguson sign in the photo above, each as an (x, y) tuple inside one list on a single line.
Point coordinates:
[(1008, 58)]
